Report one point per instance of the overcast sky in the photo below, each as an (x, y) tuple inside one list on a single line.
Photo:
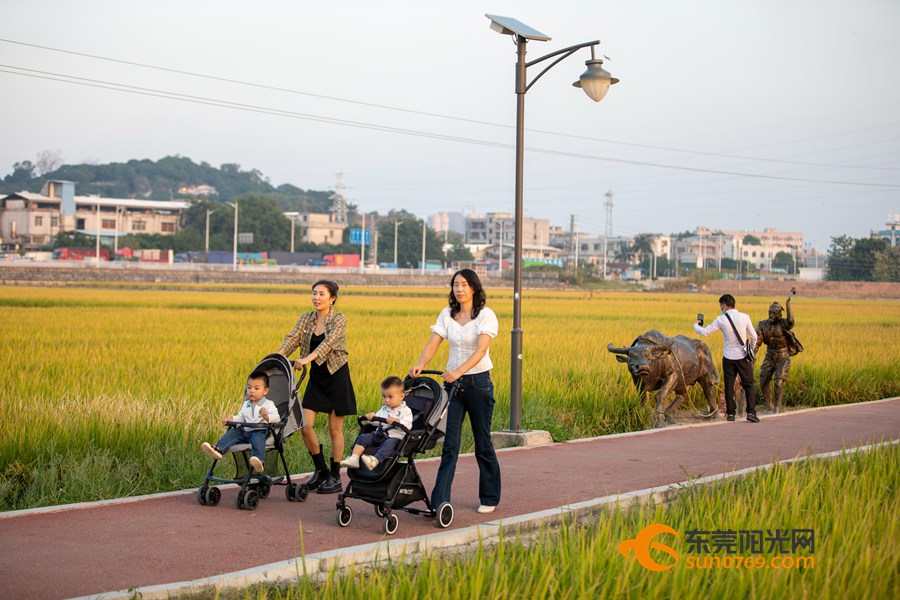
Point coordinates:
[(732, 114)]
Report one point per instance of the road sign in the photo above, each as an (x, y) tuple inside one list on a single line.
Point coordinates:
[(356, 236), (245, 238)]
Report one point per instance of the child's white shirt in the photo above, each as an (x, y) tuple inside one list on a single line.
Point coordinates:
[(402, 413), (249, 412)]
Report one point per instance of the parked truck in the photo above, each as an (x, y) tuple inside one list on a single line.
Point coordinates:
[(80, 254)]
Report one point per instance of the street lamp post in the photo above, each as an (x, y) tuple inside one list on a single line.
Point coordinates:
[(595, 82)]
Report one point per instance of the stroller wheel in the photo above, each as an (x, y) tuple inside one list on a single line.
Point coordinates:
[(264, 489), (251, 500), (379, 510), (289, 491), (201, 494), (239, 500), (344, 516), (212, 496), (390, 524), (301, 493), (444, 515)]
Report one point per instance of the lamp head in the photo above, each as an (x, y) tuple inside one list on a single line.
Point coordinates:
[(595, 81)]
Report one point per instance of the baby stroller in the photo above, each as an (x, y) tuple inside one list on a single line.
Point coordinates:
[(395, 483), (255, 486)]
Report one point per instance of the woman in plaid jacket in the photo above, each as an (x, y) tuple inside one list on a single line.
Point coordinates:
[(320, 335)]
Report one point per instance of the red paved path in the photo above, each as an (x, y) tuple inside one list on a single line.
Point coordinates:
[(105, 548)]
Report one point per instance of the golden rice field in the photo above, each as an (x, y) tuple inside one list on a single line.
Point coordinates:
[(109, 392), (853, 552)]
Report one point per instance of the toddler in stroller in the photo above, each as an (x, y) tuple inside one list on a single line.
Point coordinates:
[(269, 414), (385, 436), (393, 484)]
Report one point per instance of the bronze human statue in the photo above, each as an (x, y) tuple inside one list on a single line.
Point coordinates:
[(781, 344)]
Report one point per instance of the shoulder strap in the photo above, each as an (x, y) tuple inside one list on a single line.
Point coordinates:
[(740, 339)]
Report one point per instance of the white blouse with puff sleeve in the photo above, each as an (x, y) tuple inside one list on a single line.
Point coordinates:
[(463, 339)]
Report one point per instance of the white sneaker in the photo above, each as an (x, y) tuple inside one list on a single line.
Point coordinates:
[(485, 509), (351, 462), (211, 450), (370, 461), (256, 464)]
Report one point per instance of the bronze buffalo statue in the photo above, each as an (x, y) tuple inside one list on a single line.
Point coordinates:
[(661, 364)]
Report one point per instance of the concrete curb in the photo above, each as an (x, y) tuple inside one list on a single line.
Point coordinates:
[(320, 564)]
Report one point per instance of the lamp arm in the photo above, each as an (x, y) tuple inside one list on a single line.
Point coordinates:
[(566, 53), (548, 67)]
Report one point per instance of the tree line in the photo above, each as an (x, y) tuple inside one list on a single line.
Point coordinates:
[(863, 259)]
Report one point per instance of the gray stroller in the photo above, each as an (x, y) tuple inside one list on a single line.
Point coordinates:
[(256, 486)]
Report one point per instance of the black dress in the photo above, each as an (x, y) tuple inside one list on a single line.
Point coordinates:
[(327, 392)]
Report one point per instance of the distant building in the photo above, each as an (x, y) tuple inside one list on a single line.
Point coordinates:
[(710, 247), (500, 228), (198, 190), (892, 232), (449, 221), (590, 250), (319, 228), (30, 221)]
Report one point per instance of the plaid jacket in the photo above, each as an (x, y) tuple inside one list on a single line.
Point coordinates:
[(333, 349)]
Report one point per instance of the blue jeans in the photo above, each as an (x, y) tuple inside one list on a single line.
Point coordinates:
[(237, 435), (476, 397), (386, 449)]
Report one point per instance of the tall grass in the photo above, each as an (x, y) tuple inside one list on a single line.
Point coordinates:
[(853, 516), (110, 392)]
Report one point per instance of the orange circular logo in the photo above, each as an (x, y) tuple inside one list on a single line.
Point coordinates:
[(642, 544)]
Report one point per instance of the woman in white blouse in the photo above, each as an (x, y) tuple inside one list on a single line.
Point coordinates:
[(469, 326)]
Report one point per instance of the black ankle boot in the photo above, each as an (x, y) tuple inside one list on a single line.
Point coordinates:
[(321, 473), (333, 485)]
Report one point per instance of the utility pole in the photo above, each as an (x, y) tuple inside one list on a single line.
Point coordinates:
[(573, 246), (375, 245), (608, 232), (576, 252), (500, 246), (702, 253), (97, 251), (423, 246), (206, 247), (395, 242), (362, 245), (719, 251)]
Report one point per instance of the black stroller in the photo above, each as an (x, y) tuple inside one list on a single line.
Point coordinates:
[(255, 486), (395, 483)]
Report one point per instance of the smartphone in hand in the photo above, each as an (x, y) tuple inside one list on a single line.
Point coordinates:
[(700, 319)]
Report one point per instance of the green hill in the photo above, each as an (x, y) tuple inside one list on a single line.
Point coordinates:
[(172, 177)]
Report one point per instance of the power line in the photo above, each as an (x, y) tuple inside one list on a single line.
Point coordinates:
[(83, 81), (438, 115)]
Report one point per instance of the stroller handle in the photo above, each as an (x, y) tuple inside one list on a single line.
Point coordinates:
[(300, 379)]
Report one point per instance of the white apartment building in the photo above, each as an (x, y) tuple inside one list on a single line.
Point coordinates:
[(710, 247), (29, 220), (318, 228)]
